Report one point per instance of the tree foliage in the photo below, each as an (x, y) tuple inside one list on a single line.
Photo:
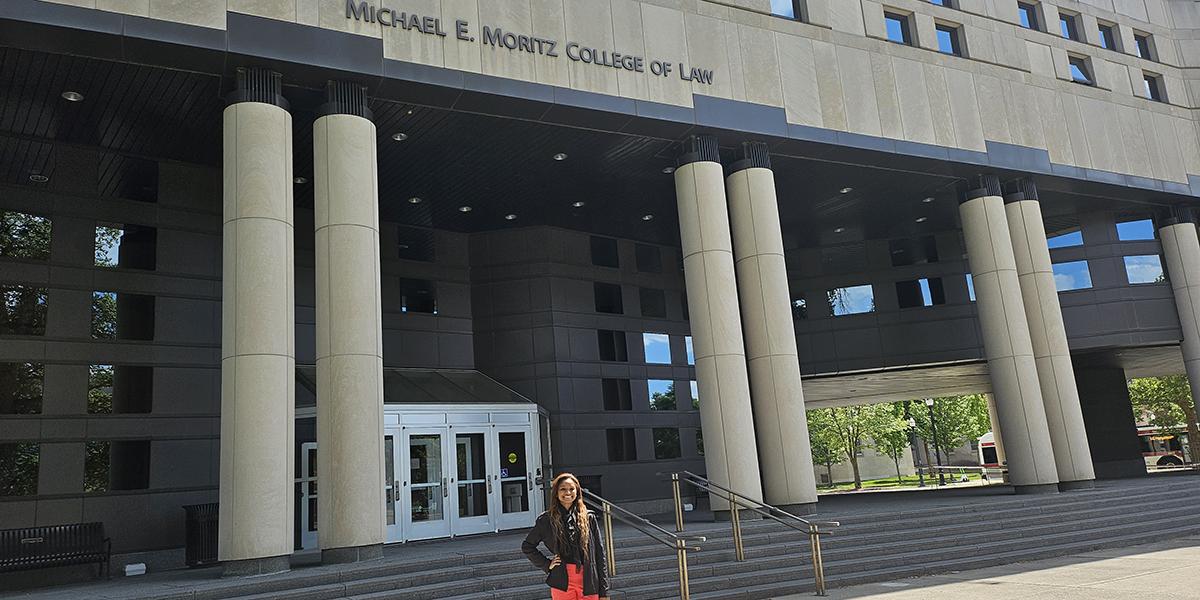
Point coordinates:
[(1166, 402), (891, 435), (24, 235), (959, 419), (664, 400), (826, 444)]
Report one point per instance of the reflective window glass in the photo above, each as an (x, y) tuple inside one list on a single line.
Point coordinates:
[(851, 300), (657, 347), (23, 235), (1144, 269), (1072, 276), (1142, 229), (1065, 240), (662, 394)]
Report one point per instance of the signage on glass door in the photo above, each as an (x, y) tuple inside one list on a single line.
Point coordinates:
[(498, 39)]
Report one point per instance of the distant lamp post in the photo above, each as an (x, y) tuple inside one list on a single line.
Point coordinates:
[(912, 441), (936, 450)]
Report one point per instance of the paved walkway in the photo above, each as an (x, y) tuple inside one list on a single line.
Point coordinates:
[(1168, 570)]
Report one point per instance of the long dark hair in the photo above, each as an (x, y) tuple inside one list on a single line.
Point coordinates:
[(581, 515)]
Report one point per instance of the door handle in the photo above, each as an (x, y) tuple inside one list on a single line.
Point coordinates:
[(529, 478), (445, 489), (489, 483)]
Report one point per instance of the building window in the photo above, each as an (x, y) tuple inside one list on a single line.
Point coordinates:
[(127, 246), (604, 252), (788, 9), (417, 295), (122, 389), (1145, 46), (662, 394), (622, 445), (799, 307), (657, 347), (666, 443), (851, 300), (19, 468), (612, 345), (113, 466), (1072, 276), (1153, 86), (122, 316), (1080, 73), (1141, 229), (24, 310), (946, 3), (1108, 36), (648, 258), (687, 346), (23, 235), (1068, 24), (949, 38), (608, 298), (1065, 240), (1144, 269), (898, 29), (617, 394), (21, 388), (700, 442), (913, 251), (414, 243), (920, 292), (970, 287), (695, 388), (1028, 14), (654, 302)]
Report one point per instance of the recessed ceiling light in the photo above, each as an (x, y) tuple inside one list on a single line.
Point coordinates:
[(898, 251), (399, 136), (922, 219), (38, 178), (560, 156), (668, 170), (414, 200), (410, 111), (403, 246), (464, 209), (846, 190), (578, 204), (510, 217), (839, 229), (928, 200), (298, 180), (72, 96), (647, 217)]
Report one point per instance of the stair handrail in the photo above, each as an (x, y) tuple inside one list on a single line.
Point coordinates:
[(809, 527), (679, 543)]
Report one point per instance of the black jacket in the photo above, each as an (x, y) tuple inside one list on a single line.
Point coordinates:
[(595, 568)]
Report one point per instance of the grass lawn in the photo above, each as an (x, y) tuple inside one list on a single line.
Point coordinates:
[(891, 482)]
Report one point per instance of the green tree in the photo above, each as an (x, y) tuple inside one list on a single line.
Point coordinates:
[(100, 390), (108, 242), (890, 434), (24, 236), (663, 400), (959, 419), (855, 426), (19, 469), (1166, 402), (824, 440), (21, 388), (104, 315)]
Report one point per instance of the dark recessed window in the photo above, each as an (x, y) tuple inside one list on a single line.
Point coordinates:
[(666, 443), (654, 302), (21, 388), (1139, 229), (1152, 86), (700, 442), (1145, 48), (949, 39), (898, 29), (1108, 36), (414, 243), (913, 251), (622, 445), (648, 258), (920, 292), (799, 306), (661, 394), (122, 389), (608, 298), (616, 394), (1028, 14), (604, 252), (120, 465), (24, 310), (418, 295), (1080, 73), (23, 235), (612, 345), (127, 246), (1068, 25), (122, 316), (19, 468), (1065, 240)]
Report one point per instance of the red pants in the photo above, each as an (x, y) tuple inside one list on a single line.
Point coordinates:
[(574, 586)]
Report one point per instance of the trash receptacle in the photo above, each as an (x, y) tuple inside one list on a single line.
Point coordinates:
[(201, 528)]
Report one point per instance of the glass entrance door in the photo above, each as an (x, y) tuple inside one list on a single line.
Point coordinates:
[(424, 485), (473, 488), (392, 498), (517, 502), (308, 495)]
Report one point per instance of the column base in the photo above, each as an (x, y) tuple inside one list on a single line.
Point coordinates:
[(337, 556), (799, 509), (724, 516), (250, 567), (1071, 486), (1043, 488)]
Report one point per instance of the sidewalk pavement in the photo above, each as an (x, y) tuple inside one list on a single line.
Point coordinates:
[(1164, 571)]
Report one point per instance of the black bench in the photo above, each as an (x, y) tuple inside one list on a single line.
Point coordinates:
[(55, 546)]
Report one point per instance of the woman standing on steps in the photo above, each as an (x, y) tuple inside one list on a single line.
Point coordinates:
[(579, 568)]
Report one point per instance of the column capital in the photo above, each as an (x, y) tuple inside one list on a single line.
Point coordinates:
[(1020, 189), (754, 155), (980, 186), (257, 84), (1175, 215), (345, 98), (699, 148)]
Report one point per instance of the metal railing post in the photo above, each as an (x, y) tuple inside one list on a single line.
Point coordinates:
[(814, 537), (608, 540), (678, 502), (685, 592), (737, 530)]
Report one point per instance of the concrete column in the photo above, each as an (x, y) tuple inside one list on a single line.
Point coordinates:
[(730, 449), (349, 329), (997, 437), (258, 365), (1006, 342), (1064, 418), (788, 479), (1182, 253)]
